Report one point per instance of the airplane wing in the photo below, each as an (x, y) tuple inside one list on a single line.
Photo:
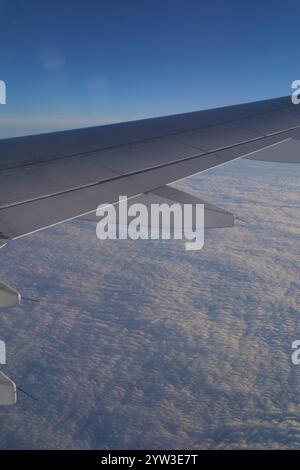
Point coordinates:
[(49, 178)]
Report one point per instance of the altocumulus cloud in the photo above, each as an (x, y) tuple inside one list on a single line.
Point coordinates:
[(143, 345)]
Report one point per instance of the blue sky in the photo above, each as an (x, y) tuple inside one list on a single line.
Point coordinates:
[(68, 64)]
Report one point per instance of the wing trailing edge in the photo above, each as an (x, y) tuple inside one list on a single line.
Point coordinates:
[(282, 152)]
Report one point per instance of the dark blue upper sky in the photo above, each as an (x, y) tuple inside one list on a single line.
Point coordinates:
[(70, 63)]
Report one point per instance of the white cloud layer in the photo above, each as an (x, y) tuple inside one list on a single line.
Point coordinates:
[(144, 345)]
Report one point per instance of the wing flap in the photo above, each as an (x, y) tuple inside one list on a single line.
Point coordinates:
[(214, 217), (49, 178), (283, 152)]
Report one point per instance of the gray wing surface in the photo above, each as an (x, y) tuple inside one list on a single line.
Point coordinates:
[(50, 178)]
